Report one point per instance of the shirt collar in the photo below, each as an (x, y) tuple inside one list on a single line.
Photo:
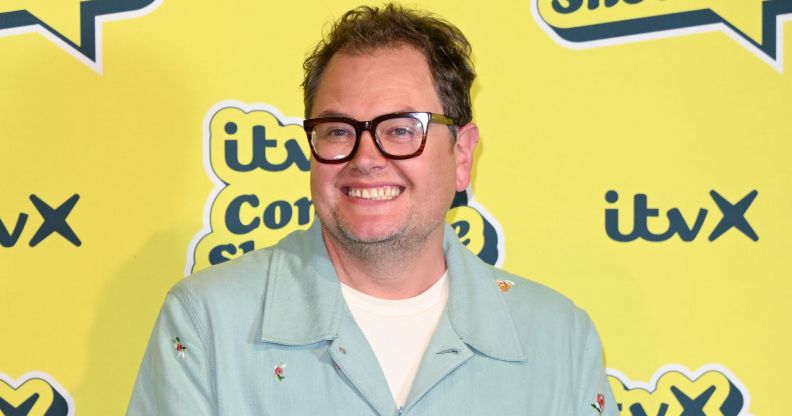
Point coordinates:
[(476, 307), (303, 303)]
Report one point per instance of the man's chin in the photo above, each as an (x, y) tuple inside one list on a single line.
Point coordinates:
[(363, 232), (369, 235)]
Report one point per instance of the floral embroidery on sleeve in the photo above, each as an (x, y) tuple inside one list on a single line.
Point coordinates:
[(599, 405), (180, 348)]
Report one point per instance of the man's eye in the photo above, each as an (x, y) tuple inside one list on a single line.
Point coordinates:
[(401, 132), (337, 133)]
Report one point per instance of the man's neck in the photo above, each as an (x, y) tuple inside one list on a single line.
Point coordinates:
[(388, 272)]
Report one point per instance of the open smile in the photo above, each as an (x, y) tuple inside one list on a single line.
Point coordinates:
[(378, 193)]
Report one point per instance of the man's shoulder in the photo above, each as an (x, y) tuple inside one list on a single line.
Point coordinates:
[(240, 274), (248, 272), (518, 290), (534, 304), (527, 301)]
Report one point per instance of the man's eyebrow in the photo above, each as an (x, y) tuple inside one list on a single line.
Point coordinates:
[(333, 113)]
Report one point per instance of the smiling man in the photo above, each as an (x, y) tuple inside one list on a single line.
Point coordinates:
[(383, 217), (377, 309)]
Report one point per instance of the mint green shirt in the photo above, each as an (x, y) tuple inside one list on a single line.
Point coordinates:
[(270, 334)]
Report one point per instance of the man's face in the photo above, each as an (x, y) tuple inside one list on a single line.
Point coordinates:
[(371, 198)]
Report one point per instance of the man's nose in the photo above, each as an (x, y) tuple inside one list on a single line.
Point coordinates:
[(368, 156)]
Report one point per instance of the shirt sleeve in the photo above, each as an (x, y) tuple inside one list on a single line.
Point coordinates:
[(175, 377), (595, 397)]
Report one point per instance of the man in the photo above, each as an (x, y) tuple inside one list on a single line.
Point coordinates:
[(377, 309)]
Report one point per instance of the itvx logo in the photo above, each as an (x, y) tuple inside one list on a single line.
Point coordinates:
[(53, 221), (732, 216)]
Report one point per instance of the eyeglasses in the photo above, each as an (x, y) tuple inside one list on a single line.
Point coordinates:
[(397, 136)]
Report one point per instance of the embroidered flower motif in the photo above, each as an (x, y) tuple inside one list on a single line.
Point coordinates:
[(279, 369), (180, 348), (599, 406), (504, 285)]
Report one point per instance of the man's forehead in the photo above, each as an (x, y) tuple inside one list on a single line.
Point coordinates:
[(375, 82), (399, 61), (379, 52)]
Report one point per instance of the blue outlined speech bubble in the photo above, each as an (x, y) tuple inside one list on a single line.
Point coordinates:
[(72, 25), (35, 393), (258, 160), (757, 25), (675, 390)]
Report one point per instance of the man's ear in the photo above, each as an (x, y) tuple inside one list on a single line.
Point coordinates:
[(467, 137)]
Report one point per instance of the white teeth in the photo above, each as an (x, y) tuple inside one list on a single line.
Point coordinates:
[(376, 194)]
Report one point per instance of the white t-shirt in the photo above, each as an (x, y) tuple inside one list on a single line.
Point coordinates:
[(399, 330)]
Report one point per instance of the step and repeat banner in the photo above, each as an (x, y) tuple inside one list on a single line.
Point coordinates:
[(634, 155)]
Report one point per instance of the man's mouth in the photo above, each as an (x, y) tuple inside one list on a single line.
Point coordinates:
[(380, 193)]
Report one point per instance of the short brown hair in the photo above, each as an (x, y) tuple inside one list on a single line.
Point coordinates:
[(365, 28)]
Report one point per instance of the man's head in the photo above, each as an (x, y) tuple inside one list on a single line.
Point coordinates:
[(368, 201), (366, 29)]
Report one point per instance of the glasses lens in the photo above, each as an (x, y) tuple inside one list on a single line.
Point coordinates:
[(400, 136), (333, 140)]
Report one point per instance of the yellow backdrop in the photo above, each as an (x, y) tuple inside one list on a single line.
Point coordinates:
[(141, 140)]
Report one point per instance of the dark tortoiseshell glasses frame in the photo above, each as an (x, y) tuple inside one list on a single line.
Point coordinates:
[(425, 118)]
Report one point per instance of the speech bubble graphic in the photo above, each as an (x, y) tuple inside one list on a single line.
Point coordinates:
[(34, 394), (757, 25), (258, 160), (74, 26), (674, 390), (478, 230)]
